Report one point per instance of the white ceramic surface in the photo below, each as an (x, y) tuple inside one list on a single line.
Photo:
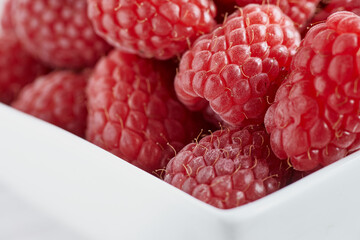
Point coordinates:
[(99, 196), (84, 191), (22, 221)]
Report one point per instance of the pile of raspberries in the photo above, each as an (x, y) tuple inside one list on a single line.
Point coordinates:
[(228, 101)]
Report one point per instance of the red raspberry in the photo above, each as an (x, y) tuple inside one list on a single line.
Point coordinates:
[(17, 68), (6, 22), (228, 168), (58, 98), (152, 28), (133, 115), (315, 118), (58, 32), (236, 68), (335, 6), (299, 11)]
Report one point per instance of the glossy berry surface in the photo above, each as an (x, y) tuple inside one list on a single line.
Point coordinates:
[(300, 12), (17, 67), (58, 98), (315, 119), (235, 70), (336, 6), (133, 115), (228, 168), (59, 33), (149, 28)]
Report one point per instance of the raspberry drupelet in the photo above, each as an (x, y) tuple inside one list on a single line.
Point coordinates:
[(17, 67), (300, 12), (58, 98), (160, 29), (235, 70), (336, 6), (228, 168), (6, 21), (59, 33), (133, 115), (315, 119)]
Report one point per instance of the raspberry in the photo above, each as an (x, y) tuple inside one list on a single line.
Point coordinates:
[(17, 68), (236, 68), (299, 11), (315, 118), (6, 22), (59, 33), (58, 98), (160, 29), (228, 168), (335, 6), (133, 115)]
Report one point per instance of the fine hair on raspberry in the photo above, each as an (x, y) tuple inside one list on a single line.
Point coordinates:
[(315, 119), (235, 70), (132, 113), (228, 168)]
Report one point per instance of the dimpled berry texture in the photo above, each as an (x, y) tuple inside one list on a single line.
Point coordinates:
[(315, 118), (300, 11), (335, 6), (228, 168), (152, 28), (59, 33), (17, 68), (58, 98), (236, 69), (132, 114)]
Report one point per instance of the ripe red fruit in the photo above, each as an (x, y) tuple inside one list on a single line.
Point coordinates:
[(58, 98), (315, 119), (59, 33), (133, 115), (17, 67), (160, 29), (6, 22), (335, 6), (235, 70), (228, 168), (300, 12)]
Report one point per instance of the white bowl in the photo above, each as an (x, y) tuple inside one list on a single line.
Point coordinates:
[(98, 196), (102, 197)]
